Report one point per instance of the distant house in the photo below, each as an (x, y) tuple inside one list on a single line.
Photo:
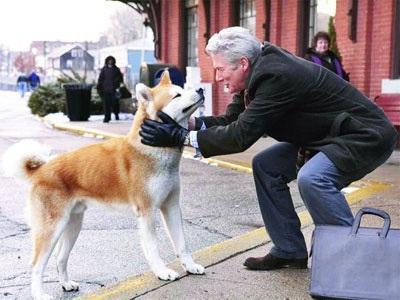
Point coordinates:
[(129, 57), (65, 58)]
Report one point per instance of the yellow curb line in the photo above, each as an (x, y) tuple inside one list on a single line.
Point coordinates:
[(83, 130), (219, 163), (229, 165), (208, 256)]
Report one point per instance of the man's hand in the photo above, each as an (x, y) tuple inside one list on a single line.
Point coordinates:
[(163, 134)]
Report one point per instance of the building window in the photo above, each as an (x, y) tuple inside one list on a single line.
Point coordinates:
[(312, 23), (76, 53), (314, 17), (267, 24), (396, 44), (68, 64), (192, 27), (352, 13), (247, 15)]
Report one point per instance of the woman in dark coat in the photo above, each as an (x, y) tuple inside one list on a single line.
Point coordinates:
[(320, 54), (109, 81)]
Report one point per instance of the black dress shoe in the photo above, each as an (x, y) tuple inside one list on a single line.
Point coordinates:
[(106, 120), (270, 262)]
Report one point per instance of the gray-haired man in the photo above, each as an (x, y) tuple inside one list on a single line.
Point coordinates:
[(305, 107)]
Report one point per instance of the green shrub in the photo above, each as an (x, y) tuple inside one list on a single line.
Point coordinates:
[(332, 35), (47, 99)]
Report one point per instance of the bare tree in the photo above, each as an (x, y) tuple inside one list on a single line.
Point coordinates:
[(126, 25), (24, 62)]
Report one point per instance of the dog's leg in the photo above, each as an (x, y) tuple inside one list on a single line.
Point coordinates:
[(172, 217), (65, 245), (45, 235), (149, 245)]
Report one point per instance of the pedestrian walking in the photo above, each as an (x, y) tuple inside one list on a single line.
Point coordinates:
[(34, 81), (22, 85), (110, 79), (305, 107)]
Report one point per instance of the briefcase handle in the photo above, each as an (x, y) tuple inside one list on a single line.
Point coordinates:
[(372, 211)]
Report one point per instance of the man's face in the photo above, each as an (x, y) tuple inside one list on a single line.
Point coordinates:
[(232, 76)]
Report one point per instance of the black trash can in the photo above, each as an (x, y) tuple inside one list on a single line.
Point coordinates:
[(148, 71), (78, 101)]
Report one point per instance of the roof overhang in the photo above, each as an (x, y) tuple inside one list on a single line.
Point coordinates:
[(151, 10)]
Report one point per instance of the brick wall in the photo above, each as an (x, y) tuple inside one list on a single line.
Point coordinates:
[(222, 16), (290, 25), (368, 59), (171, 32), (261, 18), (382, 44)]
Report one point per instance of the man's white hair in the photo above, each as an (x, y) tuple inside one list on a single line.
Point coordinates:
[(234, 43)]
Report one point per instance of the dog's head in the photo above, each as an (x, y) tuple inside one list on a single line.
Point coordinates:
[(176, 102)]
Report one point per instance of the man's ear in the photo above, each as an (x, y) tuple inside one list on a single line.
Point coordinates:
[(143, 93), (244, 63)]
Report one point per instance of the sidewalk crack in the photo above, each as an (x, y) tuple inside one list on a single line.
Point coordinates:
[(208, 229)]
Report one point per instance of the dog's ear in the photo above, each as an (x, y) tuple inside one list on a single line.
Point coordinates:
[(165, 79), (143, 93)]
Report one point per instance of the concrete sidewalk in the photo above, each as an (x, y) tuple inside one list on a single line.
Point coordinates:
[(225, 277)]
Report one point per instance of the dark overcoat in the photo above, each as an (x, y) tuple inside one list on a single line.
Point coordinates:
[(109, 80), (299, 102)]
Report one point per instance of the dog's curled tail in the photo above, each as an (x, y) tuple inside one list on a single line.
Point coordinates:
[(22, 159)]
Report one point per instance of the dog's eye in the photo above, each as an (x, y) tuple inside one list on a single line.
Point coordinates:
[(177, 95)]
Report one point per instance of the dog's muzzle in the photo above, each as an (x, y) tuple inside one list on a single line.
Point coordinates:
[(197, 103)]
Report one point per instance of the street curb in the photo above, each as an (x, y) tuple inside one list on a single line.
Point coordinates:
[(217, 253), (219, 163), (85, 131)]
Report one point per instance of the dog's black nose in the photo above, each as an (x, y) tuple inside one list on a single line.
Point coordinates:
[(200, 91)]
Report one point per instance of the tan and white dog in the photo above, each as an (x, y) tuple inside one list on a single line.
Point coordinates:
[(118, 172)]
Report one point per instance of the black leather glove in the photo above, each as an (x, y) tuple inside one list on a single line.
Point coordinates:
[(163, 134)]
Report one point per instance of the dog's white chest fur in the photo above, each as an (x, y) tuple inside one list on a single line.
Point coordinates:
[(165, 178)]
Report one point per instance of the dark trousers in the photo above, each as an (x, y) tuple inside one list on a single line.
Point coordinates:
[(111, 103), (319, 183)]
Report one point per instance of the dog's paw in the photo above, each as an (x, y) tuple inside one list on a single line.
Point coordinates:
[(167, 274), (194, 268), (70, 286)]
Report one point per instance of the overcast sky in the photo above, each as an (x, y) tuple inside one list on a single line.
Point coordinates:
[(23, 21)]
